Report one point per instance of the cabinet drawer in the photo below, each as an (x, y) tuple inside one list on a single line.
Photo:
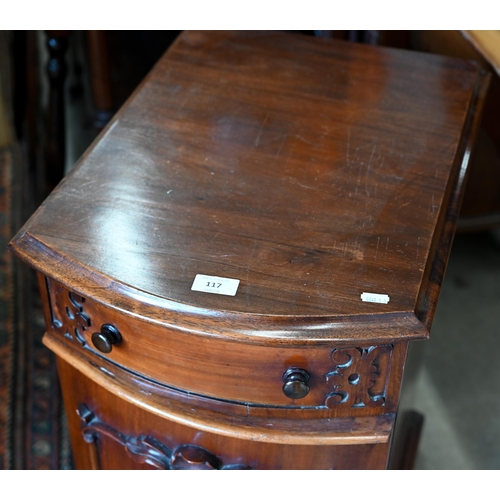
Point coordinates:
[(116, 434), (348, 380)]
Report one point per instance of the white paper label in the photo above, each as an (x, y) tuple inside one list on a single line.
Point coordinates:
[(215, 284), (375, 297)]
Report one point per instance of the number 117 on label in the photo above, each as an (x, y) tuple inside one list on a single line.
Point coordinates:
[(215, 284)]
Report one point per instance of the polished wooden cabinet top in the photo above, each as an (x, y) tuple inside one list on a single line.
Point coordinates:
[(311, 170)]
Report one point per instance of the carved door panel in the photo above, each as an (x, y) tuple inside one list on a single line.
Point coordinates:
[(144, 449), (111, 433)]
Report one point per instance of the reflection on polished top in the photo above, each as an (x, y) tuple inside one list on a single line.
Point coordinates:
[(312, 171)]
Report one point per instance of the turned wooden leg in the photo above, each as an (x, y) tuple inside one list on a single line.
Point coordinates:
[(55, 140), (100, 75)]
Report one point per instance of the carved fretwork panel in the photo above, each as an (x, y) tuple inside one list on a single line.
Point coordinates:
[(67, 311), (148, 450), (359, 377)]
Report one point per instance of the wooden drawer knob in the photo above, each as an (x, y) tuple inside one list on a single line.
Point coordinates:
[(105, 339), (296, 383)]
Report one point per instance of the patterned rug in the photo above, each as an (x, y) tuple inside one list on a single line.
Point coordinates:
[(33, 432), (8, 343), (46, 443)]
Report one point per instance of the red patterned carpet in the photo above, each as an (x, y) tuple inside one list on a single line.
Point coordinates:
[(32, 423), (8, 342), (33, 432), (32, 426)]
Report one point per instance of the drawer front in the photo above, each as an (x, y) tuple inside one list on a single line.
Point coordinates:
[(362, 380), (110, 433)]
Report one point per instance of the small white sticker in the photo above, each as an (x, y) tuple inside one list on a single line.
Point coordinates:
[(215, 284), (380, 298)]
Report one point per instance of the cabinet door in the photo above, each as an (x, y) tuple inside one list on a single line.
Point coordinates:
[(110, 433)]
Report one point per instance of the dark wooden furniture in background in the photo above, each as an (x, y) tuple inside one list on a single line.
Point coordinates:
[(327, 178), (114, 64), (102, 93), (55, 140), (55, 132)]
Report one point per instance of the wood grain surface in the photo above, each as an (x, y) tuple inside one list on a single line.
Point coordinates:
[(132, 421), (310, 170), (228, 370), (313, 171), (252, 422), (481, 204)]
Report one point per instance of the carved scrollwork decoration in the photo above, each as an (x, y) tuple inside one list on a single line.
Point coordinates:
[(148, 450), (67, 310), (360, 376)]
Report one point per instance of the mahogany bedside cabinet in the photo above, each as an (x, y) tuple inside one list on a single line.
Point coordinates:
[(233, 271)]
